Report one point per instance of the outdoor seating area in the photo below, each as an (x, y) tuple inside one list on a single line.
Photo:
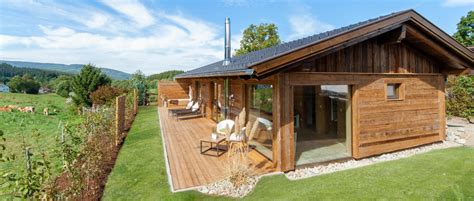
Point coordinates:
[(195, 157)]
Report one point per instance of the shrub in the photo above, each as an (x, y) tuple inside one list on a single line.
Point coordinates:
[(25, 84), (86, 82), (105, 94), (62, 85), (460, 96)]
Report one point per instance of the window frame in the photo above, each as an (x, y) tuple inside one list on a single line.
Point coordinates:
[(399, 88)]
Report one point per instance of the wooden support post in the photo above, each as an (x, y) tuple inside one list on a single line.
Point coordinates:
[(284, 144), (442, 108), (119, 118), (135, 101)]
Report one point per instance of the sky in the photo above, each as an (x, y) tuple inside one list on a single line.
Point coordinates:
[(154, 36)]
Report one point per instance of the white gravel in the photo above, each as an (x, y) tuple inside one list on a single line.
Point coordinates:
[(334, 167), (226, 188)]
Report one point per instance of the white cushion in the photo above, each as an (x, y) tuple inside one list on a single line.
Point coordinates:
[(268, 124), (222, 125), (195, 107), (190, 104)]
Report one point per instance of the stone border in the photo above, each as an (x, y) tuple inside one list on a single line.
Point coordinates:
[(351, 164), (225, 187)]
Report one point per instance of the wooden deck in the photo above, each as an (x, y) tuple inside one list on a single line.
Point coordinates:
[(187, 166)]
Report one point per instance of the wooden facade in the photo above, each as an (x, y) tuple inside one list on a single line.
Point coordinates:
[(404, 50)]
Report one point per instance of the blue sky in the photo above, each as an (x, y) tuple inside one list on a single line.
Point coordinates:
[(155, 36)]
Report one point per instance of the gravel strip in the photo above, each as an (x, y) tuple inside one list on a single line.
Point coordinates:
[(334, 167), (226, 188)]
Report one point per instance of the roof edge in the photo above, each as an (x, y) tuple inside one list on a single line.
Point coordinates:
[(244, 72)]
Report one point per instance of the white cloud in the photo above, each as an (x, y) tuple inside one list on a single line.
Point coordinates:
[(182, 43), (132, 9), (170, 41), (96, 21), (458, 2), (305, 24)]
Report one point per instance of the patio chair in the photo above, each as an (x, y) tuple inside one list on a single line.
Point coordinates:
[(187, 108), (221, 126), (236, 141), (241, 142), (268, 126), (251, 132)]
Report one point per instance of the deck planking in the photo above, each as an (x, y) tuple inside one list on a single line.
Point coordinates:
[(188, 167)]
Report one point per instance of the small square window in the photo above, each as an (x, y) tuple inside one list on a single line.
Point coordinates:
[(393, 91)]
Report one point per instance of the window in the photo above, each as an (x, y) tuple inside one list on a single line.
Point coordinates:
[(260, 96), (259, 100), (394, 91)]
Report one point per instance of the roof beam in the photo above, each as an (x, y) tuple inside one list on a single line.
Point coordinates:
[(448, 57), (395, 36)]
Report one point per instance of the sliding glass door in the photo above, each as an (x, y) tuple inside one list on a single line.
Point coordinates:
[(322, 122), (259, 101)]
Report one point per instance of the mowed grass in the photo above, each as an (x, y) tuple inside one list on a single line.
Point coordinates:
[(140, 174), (19, 126)]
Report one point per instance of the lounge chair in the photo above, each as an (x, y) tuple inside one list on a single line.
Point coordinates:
[(196, 111), (187, 108), (194, 104)]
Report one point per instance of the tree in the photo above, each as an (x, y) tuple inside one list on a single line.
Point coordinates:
[(167, 75), (139, 83), (460, 96), (465, 32), (86, 82), (258, 37), (25, 84), (106, 94), (62, 85), (15, 84)]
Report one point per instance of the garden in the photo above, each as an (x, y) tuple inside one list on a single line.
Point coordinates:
[(63, 148)]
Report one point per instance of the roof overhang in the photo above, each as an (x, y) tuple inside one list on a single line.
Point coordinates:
[(245, 72), (454, 54)]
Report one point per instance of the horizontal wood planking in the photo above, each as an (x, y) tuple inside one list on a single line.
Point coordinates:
[(386, 125), (378, 121), (397, 145), (371, 57), (173, 90)]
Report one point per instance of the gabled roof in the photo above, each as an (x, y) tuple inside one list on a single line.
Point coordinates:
[(244, 64)]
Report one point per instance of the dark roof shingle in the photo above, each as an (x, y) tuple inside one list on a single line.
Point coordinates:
[(239, 65)]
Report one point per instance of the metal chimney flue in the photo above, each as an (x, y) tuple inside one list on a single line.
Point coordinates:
[(227, 42)]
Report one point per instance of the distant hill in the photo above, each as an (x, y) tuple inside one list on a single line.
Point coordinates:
[(167, 75), (71, 68)]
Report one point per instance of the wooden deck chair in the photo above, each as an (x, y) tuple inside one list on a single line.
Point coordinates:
[(195, 113), (187, 108), (195, 106)]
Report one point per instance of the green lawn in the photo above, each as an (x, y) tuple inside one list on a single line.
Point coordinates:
[(47, 126), (140, 174)]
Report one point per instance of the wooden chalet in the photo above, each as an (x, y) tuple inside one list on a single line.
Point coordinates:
[(366, 89)]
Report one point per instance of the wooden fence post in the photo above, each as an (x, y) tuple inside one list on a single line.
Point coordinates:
[(135, 101), (119, 118), (158, 96)]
